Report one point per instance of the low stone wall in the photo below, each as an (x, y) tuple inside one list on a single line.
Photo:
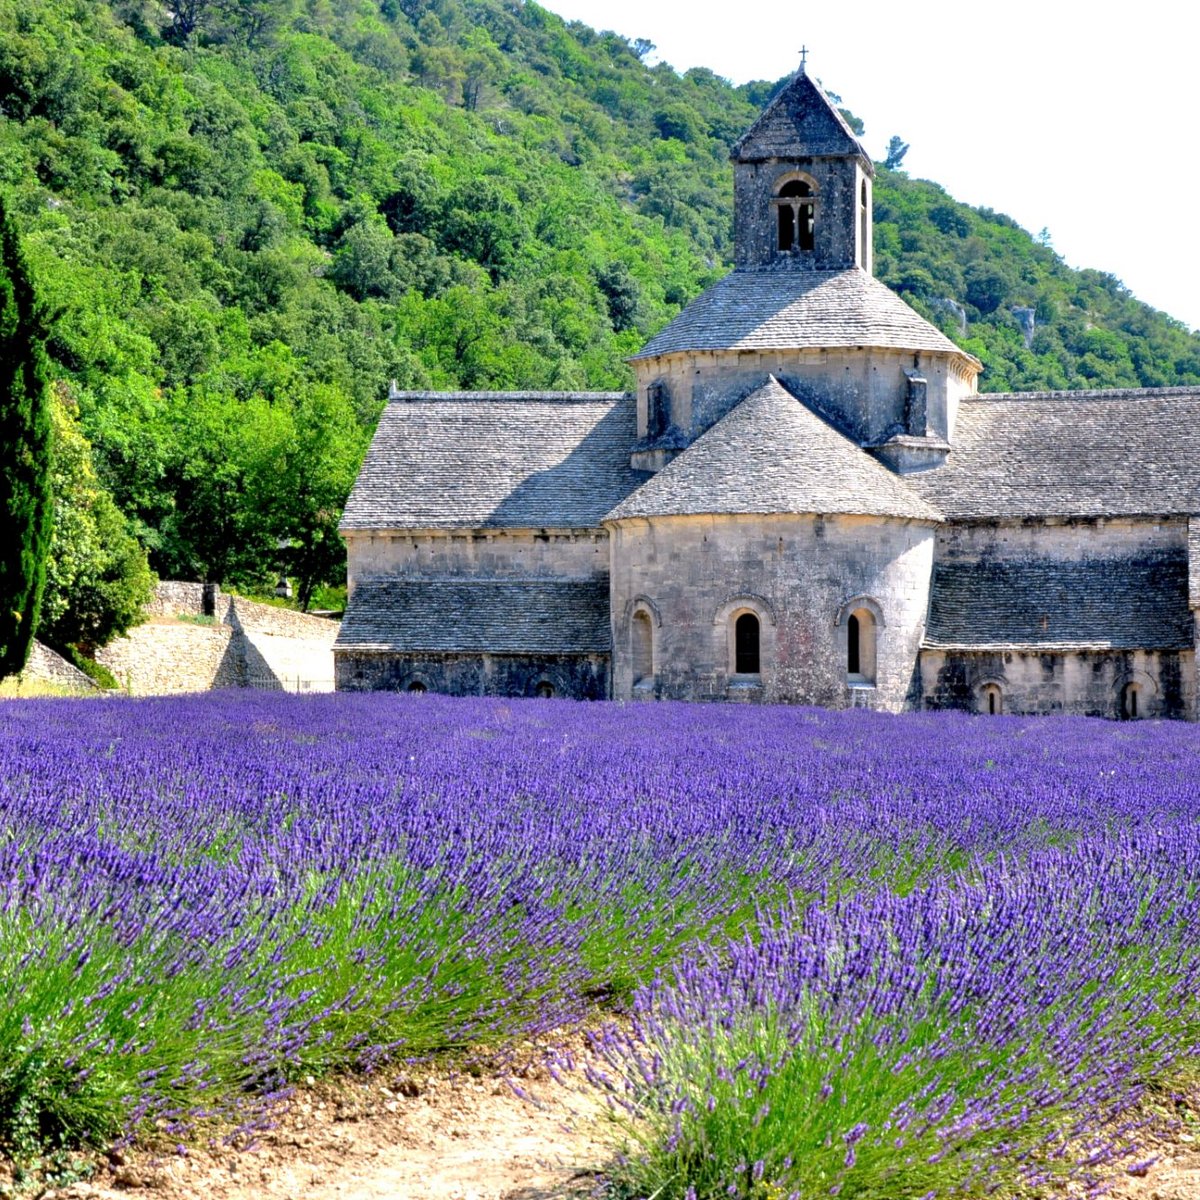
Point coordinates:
[(242, 644), (45, 667), (578, 676), (163, 658), (172, 598)]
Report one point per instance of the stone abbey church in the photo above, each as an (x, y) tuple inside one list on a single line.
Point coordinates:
[(805, 502)]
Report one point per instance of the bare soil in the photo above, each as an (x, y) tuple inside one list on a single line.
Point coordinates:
[(420, 1136)]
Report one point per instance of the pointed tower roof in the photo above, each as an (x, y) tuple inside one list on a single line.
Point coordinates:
[(771, 454), (799, 123)]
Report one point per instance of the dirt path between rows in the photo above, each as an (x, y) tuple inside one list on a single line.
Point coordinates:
[(430, 1137)]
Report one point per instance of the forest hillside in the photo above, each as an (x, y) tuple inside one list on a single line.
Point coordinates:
[(245, 218)]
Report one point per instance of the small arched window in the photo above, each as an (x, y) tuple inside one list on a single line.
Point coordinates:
[(991, 699), (796, 214), (1130, 702), (860, 646), (641, 647), (745, 644), (416, 687), (544, 690)]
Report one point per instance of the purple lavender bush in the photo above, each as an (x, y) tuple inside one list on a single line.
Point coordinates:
[(975, 952)]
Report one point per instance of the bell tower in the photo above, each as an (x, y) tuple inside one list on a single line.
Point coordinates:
[(802, 187)]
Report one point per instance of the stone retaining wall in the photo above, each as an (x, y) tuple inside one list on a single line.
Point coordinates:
[(47, 668), (243, 644), (161, 658)]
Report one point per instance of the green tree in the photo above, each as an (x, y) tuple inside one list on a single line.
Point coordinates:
[(25, 436), (97, 576), (896, 150), (309, 483)]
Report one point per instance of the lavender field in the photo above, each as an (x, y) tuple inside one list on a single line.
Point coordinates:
[(850, 955)]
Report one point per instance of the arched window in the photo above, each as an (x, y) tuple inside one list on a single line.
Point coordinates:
[(1130, 698), (860, 646), (991, 699), (416, 687), (641, 647), (796, 213), (544, 690), (745, 644)]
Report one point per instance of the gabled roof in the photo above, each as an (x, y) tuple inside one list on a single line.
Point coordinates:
[(772, 455), (800, 122), (1135, 602), (513, 616), (790, 310), (496, 460), (1134, 452)]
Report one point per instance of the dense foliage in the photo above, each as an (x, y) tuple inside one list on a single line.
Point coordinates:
[(97, 577), (869, 955), (25, 514), (248, 217)]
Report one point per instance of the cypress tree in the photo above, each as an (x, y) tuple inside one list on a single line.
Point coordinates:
[(25, 501)]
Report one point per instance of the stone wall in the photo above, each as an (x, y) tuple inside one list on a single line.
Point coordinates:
[(47, 669), (1088, 683), (244, 644), (838, 240), (863, 392), (579, 677), (802, 575), (163, 658), (488, 554), (1069, 539)]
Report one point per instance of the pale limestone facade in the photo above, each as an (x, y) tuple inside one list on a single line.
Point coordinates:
[(805, 501), (801, 575)]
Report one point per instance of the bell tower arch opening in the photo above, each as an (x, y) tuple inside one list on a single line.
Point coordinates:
[(796, 216)]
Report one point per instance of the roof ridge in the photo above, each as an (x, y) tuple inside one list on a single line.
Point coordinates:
[(1132, 393), (550, 397)]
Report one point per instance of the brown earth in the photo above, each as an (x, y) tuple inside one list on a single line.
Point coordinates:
[(413, 1137)]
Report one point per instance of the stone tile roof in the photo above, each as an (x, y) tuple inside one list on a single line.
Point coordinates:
[(771, 454), (496, 460), (800, 122), (1135, 602), (527, 616), (1134, 452), (787, 310)]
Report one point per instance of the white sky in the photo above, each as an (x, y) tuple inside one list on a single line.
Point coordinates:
[(1072, 116)]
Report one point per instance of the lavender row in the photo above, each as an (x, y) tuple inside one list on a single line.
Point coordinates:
[(204, 897)]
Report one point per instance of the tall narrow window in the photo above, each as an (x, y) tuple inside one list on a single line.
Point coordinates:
[(745, 645), (864, 260), (544, 690), (1129, 702), (797, 216), (641, 648), (860, 647), (991, 700), (658, 409)]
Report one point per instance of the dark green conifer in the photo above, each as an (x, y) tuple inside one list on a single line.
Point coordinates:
[(25, 501)]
